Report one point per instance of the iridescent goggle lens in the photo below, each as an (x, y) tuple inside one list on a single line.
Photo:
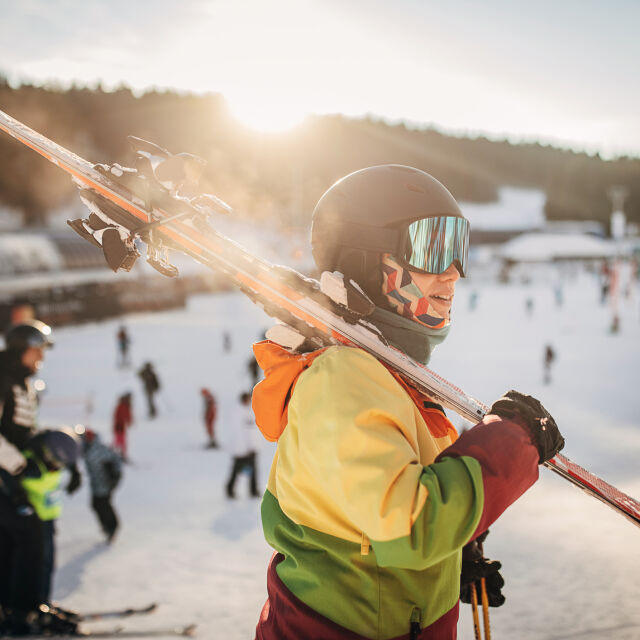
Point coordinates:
[(434, 244)]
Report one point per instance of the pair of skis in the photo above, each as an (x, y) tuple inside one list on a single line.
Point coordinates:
[(155, 203), (187, 631), (120, 631)]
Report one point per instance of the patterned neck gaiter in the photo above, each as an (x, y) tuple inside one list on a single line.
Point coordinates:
[(404, 295)]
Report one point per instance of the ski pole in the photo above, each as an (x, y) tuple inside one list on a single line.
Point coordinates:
[(474, 610), (485, 600), (485, 609)]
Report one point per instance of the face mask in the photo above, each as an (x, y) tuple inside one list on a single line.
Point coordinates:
[(405, 297)]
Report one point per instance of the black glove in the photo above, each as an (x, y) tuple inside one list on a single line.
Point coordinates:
[(474, 567), (74, 481), (12, 488), (536, 419)]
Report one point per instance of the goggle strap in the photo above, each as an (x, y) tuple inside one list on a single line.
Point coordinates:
[(368, 238)]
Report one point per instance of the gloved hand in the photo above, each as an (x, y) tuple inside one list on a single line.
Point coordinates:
[(474, 567), (74, 481), (11, 487), (535, 418)]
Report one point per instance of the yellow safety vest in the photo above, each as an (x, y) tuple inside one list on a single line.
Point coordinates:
[(44, 492)]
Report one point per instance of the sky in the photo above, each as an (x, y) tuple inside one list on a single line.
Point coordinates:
[(563, 72)]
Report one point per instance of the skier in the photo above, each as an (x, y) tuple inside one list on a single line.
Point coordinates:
[(210, 413), (254, 370), (26, 345), (49, 452), (122, 420), (529, 304), (549, 357), (104, 467), (372, 496), (605, 281), (151, 386), (244, 452), (26, 551), (124, 341)]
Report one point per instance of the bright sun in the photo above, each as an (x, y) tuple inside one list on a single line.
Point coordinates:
[(266, 117)]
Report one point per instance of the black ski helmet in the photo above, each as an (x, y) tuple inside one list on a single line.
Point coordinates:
[(57, 447), (367, 213), (31, 333)]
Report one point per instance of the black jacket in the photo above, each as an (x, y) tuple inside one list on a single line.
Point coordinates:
[(18, 402)]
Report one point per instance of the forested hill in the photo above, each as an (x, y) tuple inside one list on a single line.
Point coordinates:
[(281, 176)]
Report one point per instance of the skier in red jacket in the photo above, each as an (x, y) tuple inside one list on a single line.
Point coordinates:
[(122, 420)]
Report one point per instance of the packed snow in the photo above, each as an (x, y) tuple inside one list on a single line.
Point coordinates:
[(571, 564)]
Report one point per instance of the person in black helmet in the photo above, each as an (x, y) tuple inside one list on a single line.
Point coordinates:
[(23, 537), (25, 346), (372, 496)]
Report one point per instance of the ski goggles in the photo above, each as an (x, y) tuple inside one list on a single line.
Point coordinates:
[(434, 244)]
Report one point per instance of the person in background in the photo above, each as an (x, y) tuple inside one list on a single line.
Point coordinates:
[(243, 448), (549, 357), (122, 420), (210, 414), (50, 451), (124, 342), (27, 553), (151, 385), (25, 348), (26, 541), (104, 468), (254, 370)]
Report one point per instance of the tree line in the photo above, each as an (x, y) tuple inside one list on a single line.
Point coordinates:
[(279, 177)]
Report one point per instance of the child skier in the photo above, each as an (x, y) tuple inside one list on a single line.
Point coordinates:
[(104, 467), (372, 496)]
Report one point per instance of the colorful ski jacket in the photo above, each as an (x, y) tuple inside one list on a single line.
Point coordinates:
[(371, 497)]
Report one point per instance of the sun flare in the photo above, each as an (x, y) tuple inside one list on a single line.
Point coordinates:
[(265, 117)]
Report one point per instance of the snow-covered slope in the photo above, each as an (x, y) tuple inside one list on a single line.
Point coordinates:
[(571, 565)]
